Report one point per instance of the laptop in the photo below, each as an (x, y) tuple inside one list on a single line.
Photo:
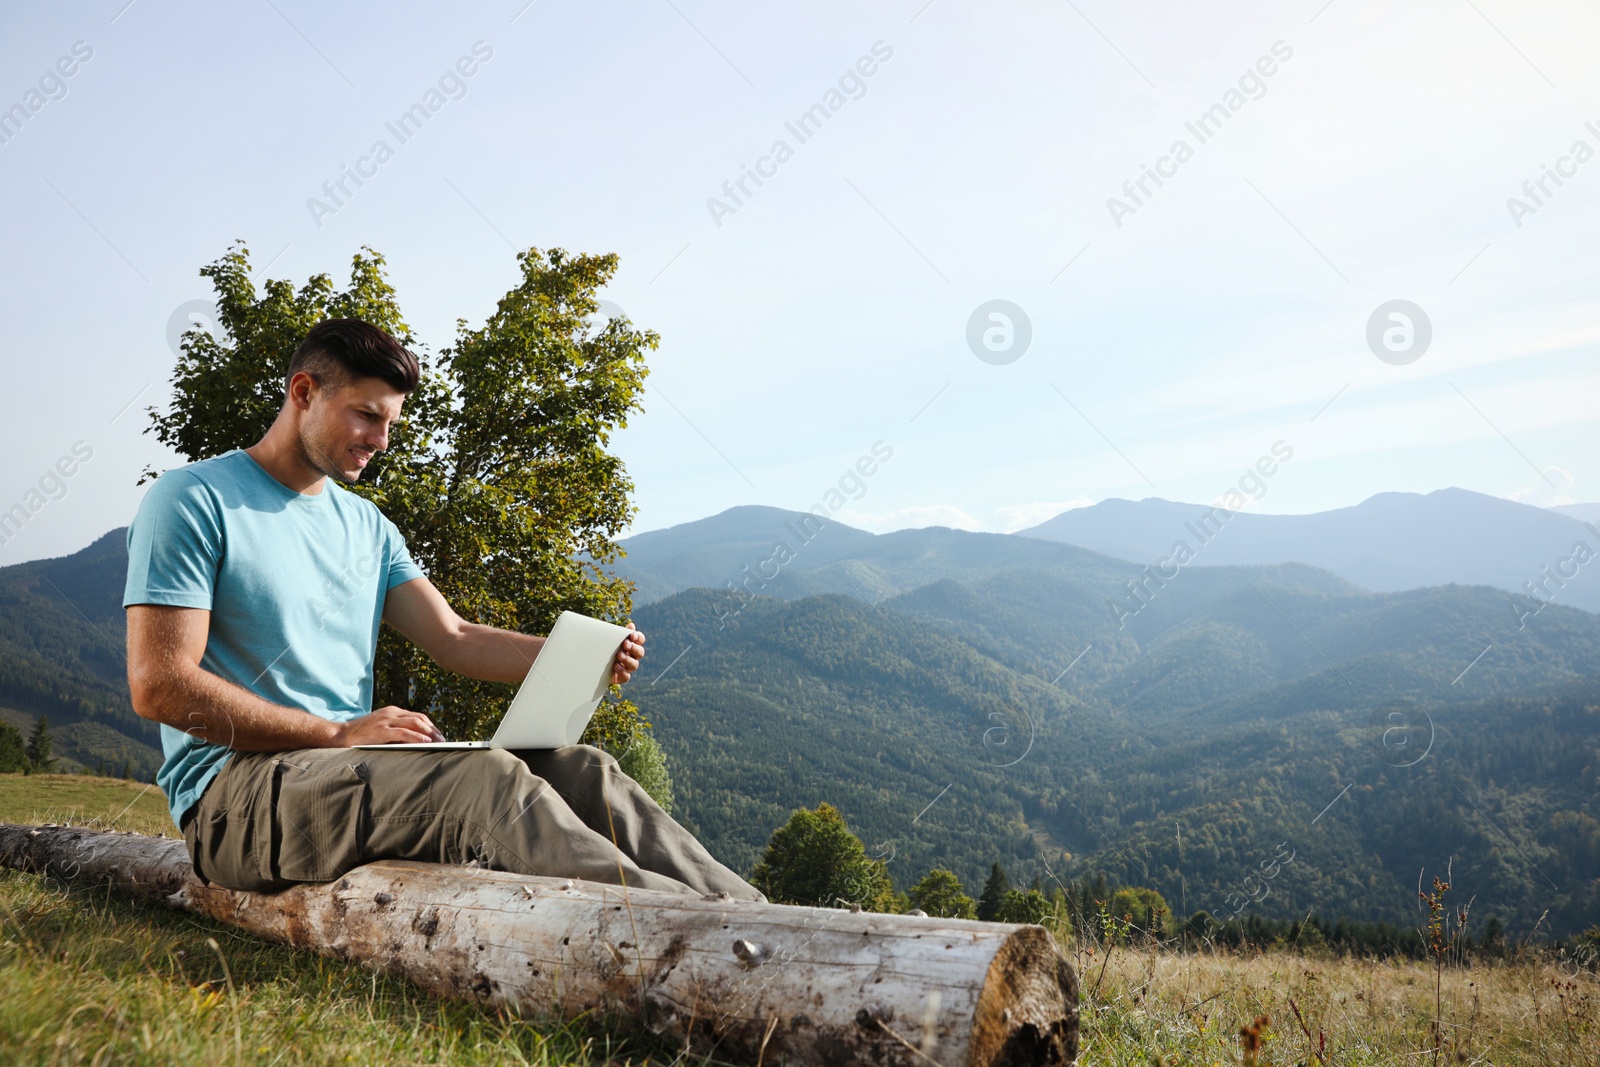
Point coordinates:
[(558, 696)]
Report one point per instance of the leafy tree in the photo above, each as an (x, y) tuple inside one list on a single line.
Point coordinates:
[(1146, 908), (13, 752), (646, 764), (618, 728), (941, 894), (497, 474), (814, 859), (1019, 906), (994, 894), (39, 756), (1199, 926)]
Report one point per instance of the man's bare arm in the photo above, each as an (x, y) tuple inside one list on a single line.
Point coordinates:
[(169, 686), (419, 612)]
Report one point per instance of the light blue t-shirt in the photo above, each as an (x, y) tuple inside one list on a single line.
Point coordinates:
[(295, 584)]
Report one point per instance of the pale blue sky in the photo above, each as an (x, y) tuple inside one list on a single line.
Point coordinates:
[(830, 309)]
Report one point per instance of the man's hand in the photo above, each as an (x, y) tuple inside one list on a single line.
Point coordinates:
[(628, 657), (387, 726)]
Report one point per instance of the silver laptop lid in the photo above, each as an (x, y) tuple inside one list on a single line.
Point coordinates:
[(566, 683)]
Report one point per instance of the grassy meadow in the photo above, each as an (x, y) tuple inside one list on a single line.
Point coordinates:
[(94, 978), (1152, 1007)]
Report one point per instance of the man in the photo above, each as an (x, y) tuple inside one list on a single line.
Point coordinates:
[(255, 589)]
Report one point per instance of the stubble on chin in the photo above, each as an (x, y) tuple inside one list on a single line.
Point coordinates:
[(320, 461)]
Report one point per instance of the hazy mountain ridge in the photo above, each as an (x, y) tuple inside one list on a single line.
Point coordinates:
[(751, 551), (1389, 542)]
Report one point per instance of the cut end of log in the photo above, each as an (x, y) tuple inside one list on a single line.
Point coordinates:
[(1028, 1009)]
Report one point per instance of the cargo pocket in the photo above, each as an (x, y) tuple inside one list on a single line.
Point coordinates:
[(320, 819)]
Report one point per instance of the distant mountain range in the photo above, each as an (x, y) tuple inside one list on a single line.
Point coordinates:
[(1387, 543), (971, 697)]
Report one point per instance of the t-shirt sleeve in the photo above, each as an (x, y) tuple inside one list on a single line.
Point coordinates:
[(402, 568), (175, 545)]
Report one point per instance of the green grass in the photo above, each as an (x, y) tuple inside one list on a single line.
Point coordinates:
[(94, 977), (103, 803)]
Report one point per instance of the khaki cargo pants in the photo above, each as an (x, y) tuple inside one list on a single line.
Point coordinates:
[(271, 819)]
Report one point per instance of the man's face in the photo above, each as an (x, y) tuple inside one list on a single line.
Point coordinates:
[(342, 429)]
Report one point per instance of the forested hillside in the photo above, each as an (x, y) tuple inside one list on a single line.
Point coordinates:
[(1270, 738), (1180, 753), (936, 754), (62, 643)]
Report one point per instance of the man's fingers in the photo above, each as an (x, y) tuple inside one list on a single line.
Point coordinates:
[(628, 656), (393, 725)]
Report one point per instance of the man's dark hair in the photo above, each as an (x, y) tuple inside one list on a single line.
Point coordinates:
[(339, 351)]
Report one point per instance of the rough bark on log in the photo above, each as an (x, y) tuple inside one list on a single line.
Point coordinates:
[(758, 982)]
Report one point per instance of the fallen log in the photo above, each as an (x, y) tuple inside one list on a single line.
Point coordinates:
[(758, 982)]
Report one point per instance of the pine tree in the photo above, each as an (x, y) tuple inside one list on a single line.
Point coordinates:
[(39, 756), (1494, 936), (1100, 891), (994, 894), (13, 751)]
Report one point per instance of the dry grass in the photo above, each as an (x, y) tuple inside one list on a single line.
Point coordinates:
[(1162, 1007)]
